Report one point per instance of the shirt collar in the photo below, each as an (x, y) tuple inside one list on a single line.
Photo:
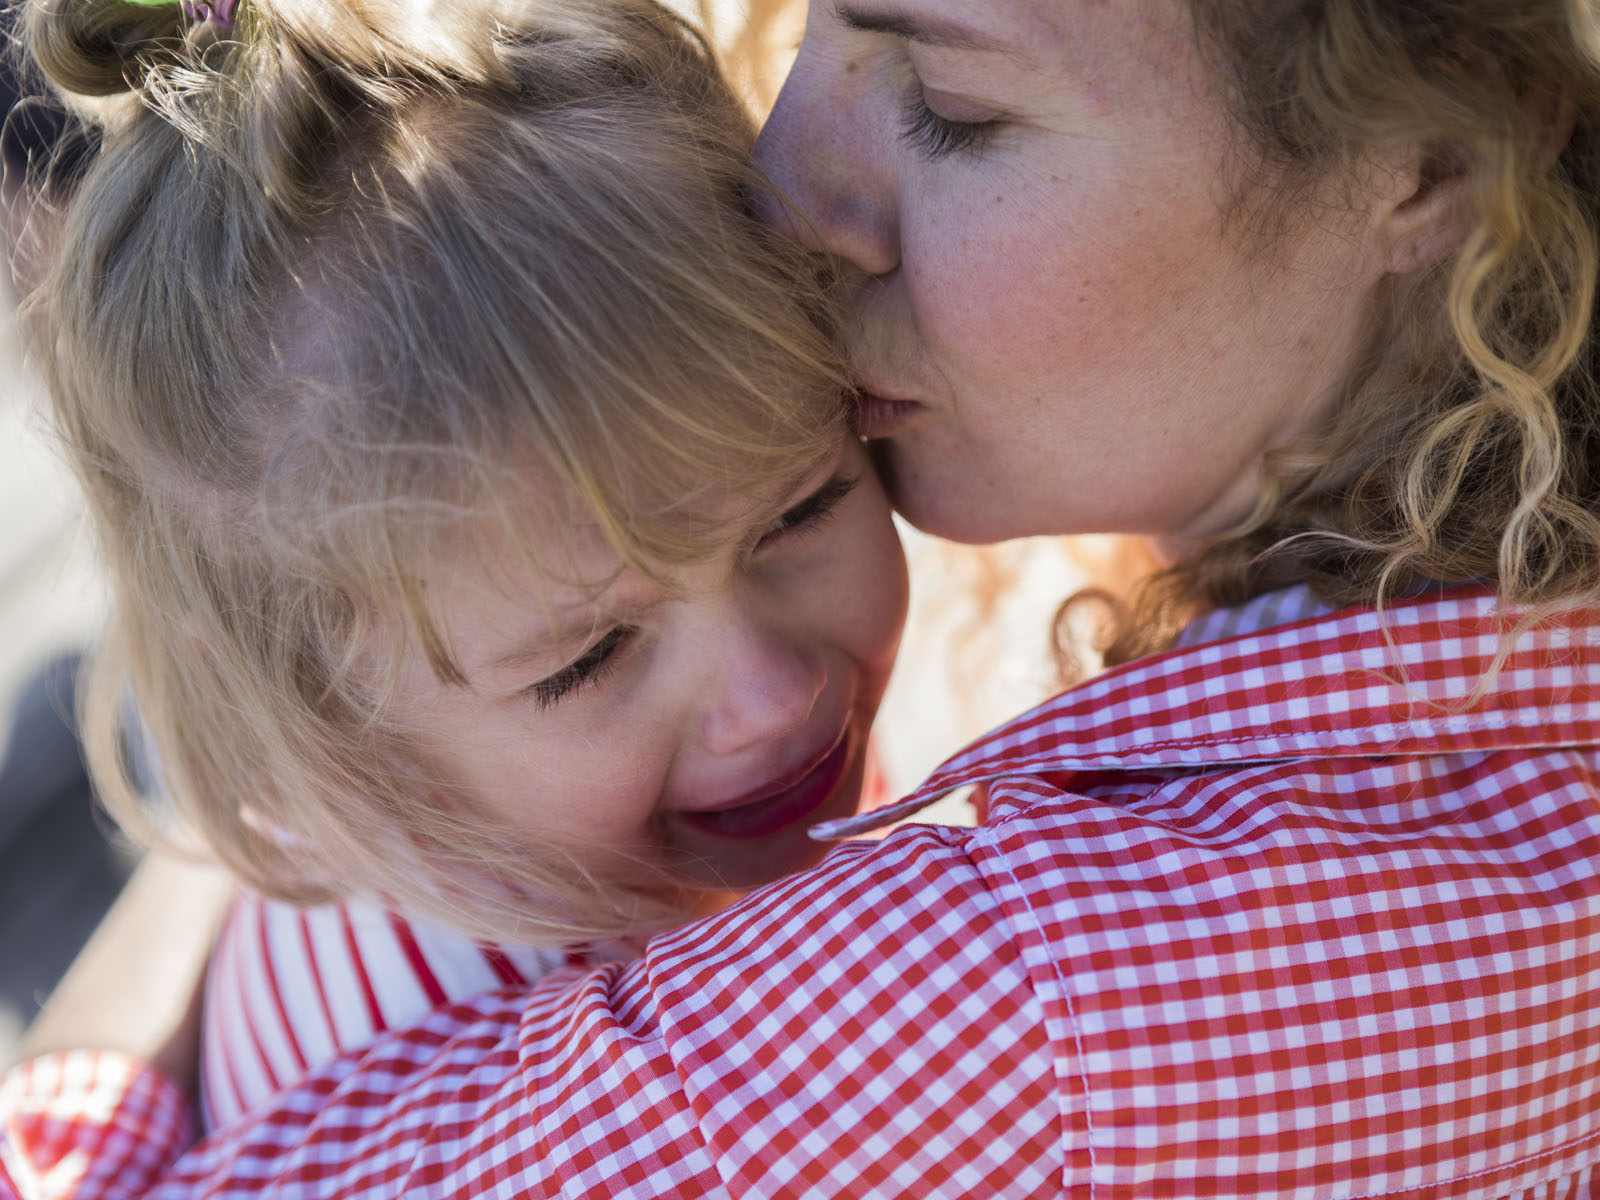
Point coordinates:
[(1446, 671), (1262, 612)]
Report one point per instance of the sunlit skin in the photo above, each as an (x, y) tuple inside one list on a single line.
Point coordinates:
[(1031, 197), (603, 708)]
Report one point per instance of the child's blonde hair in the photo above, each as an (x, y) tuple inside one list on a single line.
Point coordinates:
[(339, 274)]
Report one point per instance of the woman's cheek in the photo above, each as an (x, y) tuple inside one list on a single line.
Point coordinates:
[(982, 284), (882, 610)]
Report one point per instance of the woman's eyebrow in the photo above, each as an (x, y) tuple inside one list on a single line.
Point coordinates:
[(929, 31)]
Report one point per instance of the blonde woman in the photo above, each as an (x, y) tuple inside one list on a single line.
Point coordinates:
[(1302, 898)]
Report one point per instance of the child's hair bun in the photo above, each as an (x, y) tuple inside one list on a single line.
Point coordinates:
[(103, 47)]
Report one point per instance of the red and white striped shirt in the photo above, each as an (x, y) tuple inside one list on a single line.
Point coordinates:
[(1297, 913), (290, 988)]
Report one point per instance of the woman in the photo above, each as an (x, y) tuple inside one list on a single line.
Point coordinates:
[(1305, 905)]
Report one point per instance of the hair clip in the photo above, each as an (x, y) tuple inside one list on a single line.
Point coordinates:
[(215, 12), (211, 12)]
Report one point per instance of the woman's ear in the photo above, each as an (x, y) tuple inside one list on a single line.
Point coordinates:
[(1427, 208), (1429, 203)]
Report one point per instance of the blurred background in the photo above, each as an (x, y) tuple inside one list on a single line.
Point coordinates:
[(58, 872), (977, 650)]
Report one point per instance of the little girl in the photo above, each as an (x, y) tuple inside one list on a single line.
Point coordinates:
[(487, 540)]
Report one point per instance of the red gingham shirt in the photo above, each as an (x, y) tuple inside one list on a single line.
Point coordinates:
[(1294, 913)]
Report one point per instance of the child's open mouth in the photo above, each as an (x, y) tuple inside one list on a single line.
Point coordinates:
[(791, 802)]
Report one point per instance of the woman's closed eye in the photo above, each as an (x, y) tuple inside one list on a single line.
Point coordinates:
[(585, 671), (810, 514), (937, 136)]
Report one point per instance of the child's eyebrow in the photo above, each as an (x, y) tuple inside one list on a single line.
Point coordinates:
[(547, 644), (528, 653), (581, 626)]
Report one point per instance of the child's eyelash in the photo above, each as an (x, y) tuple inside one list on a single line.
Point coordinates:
[(590, 669), (811, 512), (938, 137), (584, 672)]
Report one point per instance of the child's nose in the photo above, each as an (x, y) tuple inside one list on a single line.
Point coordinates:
[(766, 686)]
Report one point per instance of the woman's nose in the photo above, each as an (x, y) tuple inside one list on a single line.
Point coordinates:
[(830, 189), (766, 686)]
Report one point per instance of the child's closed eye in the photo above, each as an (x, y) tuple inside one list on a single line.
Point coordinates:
[(811, 513), (585, 671), (591, 668)]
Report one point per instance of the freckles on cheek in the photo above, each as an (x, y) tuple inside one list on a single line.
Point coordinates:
[(958, 255), (970, 295), (1024, 313)]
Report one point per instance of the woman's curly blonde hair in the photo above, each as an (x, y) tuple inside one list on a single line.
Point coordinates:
[(1466, 445)]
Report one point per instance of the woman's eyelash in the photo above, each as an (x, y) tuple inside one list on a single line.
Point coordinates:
[(586, 671), (811, 512), (937, 137)]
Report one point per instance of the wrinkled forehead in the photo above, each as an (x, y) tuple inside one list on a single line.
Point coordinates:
[(521, 580), (535, 547), (456, 464), (527, 530)]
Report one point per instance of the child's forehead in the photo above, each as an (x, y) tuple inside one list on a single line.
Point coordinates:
[(531, 514), (544, 547), (541, 566), (551, 560)]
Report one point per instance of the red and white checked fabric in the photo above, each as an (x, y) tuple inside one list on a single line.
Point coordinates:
[(88, 1123), (290, 988), (1304, 912)]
